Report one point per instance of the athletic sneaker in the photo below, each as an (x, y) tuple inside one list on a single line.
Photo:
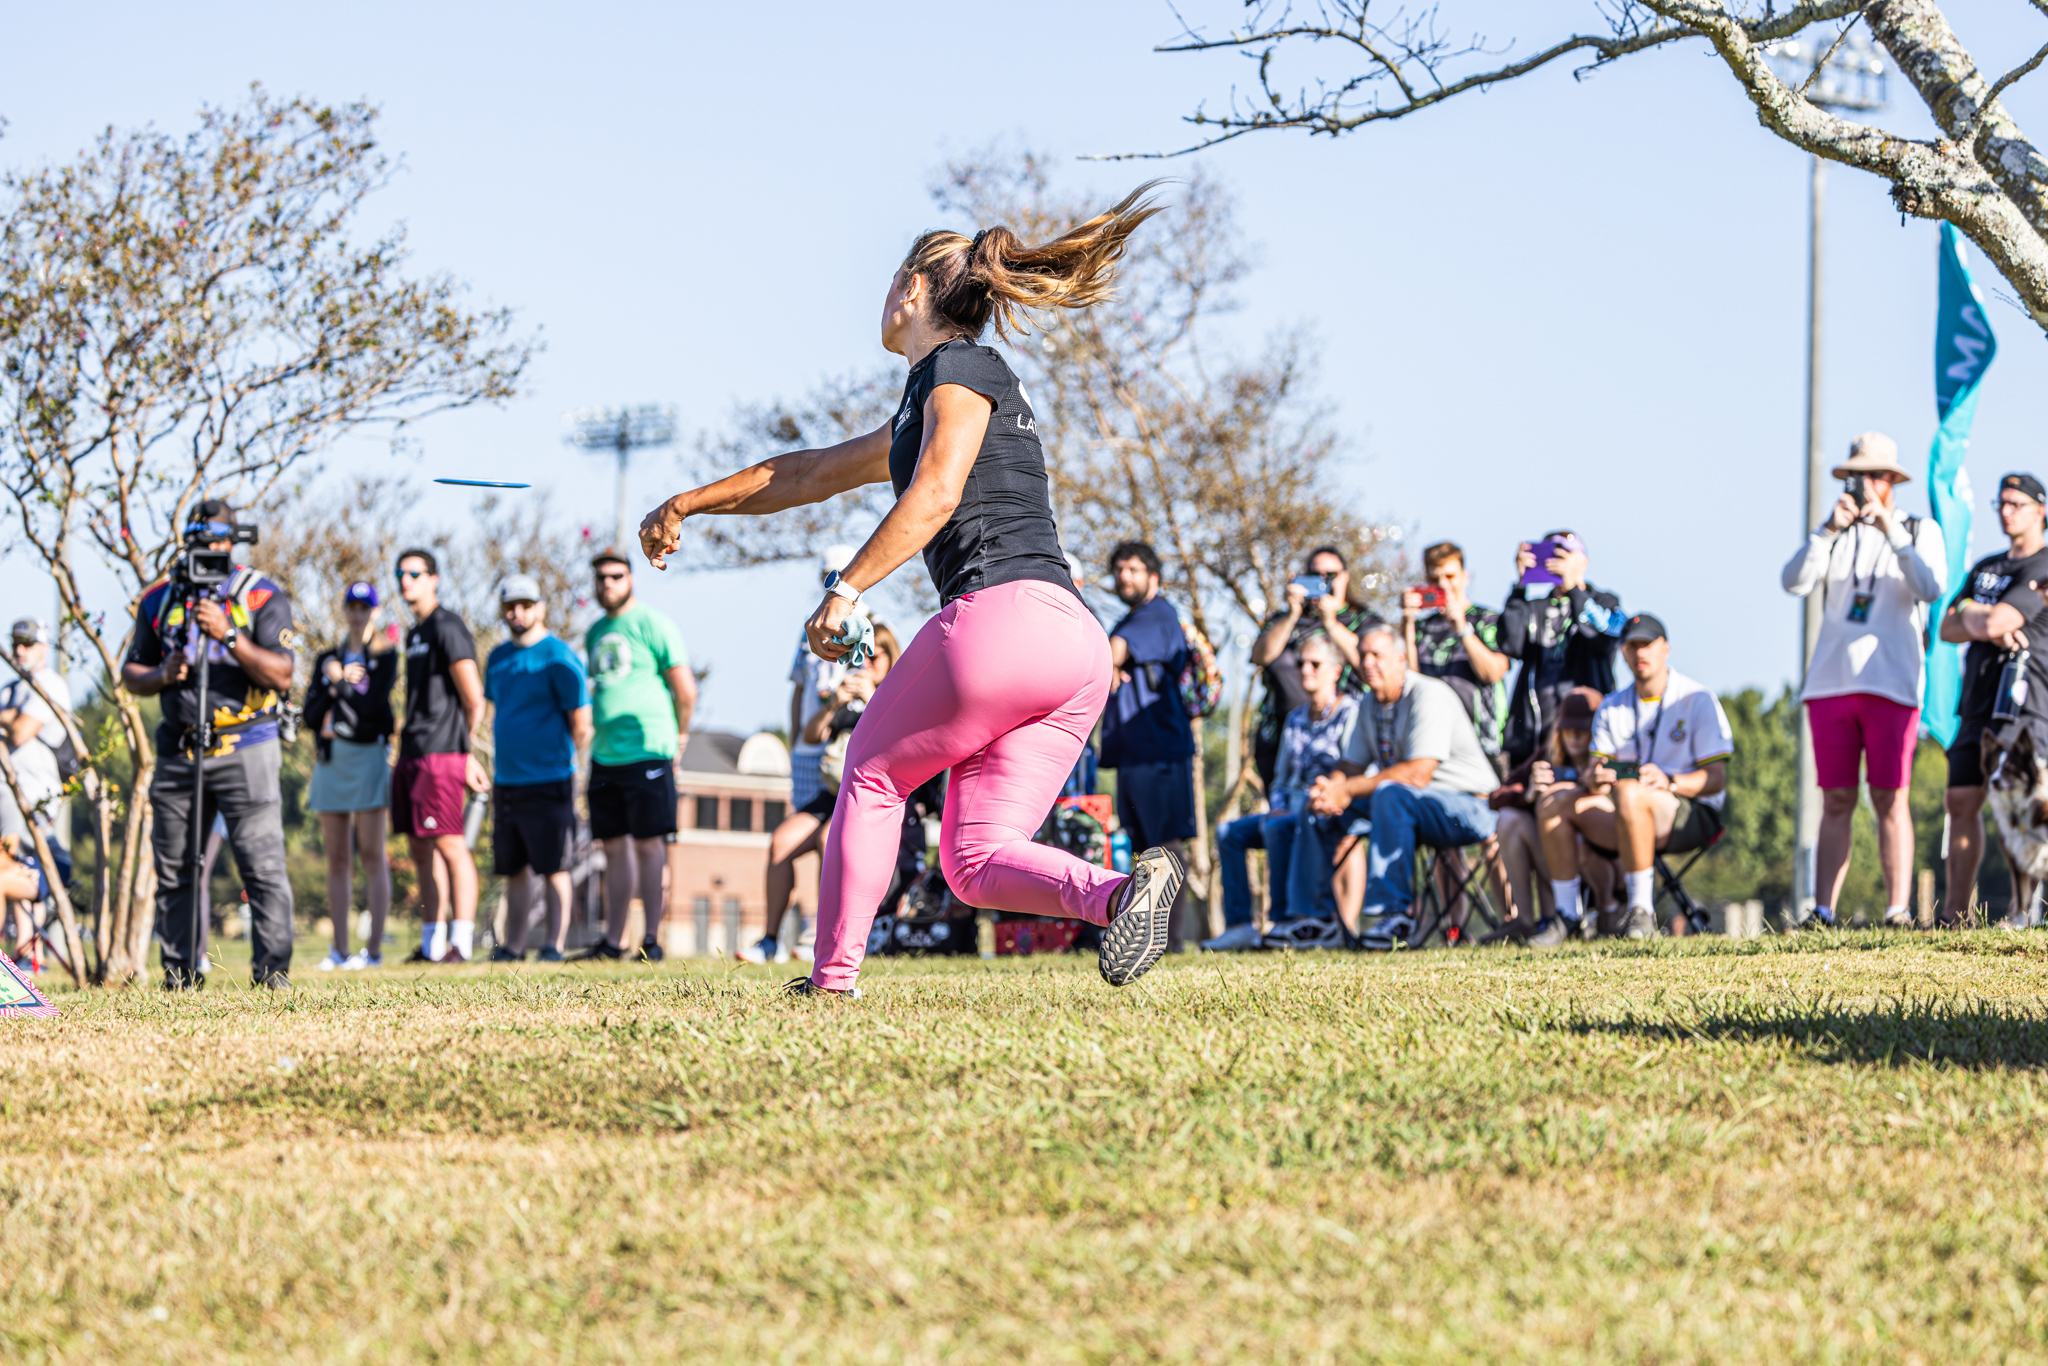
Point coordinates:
[(650, 951), (501, 954), (1389, 933), (1236, 939), (418, 956), (1641, 923), (362, 958), (760, 951), (332, 961), (550, 954), (1135, 937), (804, 986), (1898, 918), (603, 951), (1304, 933), (804, 953), (454, 955), (1549, 934)]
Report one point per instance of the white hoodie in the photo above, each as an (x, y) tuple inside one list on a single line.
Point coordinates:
[(1882, 654)]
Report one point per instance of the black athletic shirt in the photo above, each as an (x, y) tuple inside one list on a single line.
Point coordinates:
[(1003, 529), (2011, 579), (434, 723)]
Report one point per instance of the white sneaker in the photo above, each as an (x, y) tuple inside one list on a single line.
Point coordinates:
[(332, 961), (360, 959), (1898, 919), (1390, 933), (1642, 923), (1304, 934), (1236, 939), (760, 951), (803, 953)]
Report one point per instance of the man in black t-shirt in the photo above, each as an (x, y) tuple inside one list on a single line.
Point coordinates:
[(245, 627), (444, 705), (2001, 612)]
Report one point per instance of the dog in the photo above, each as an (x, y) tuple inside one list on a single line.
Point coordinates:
[(2016, 790)]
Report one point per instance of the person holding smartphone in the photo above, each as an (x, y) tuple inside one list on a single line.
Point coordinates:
[(1318, 601), (1661, 748), (1564, 631), (1451, 638), (1876, 572)]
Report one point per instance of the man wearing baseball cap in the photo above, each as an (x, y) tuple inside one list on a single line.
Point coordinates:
[(2001, 613), (539, 697), (1876, 572), (643, 693), (1660, 775)]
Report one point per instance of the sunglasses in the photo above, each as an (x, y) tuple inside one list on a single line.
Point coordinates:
[(614, 577), (412, 573)]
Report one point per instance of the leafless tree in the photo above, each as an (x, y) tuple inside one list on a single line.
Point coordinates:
[(189, 317), (1981, 173)]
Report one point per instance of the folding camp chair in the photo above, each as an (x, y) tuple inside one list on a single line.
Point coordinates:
[(1439, 907), (1672, 886)]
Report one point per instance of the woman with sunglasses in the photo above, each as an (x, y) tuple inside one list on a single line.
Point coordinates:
[(1003, 686), (348, 709)]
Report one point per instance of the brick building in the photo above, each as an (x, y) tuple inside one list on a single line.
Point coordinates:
[(733, 791)]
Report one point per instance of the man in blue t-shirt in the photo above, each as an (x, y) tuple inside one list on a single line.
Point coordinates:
[(1146, 736), (540, 698)]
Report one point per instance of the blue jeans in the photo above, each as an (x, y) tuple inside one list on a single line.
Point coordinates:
[(1275, 835), (1404, 817), (1312, 892)]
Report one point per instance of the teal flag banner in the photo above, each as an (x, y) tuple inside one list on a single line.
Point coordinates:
[(1963, 348)]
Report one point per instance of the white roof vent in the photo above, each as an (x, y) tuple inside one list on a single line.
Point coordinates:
[(763, 756)]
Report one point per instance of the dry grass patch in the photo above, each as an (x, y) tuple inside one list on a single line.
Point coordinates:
[(1824, 1148)]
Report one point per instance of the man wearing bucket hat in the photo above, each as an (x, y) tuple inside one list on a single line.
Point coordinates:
[(2001, 610), (1876, 572)]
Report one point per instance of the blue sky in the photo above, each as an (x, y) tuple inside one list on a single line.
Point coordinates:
[(1555, 303)]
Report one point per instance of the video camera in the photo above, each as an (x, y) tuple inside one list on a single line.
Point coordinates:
[(197, 566)]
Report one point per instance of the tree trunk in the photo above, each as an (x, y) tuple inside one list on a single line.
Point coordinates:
[(1200, 865)]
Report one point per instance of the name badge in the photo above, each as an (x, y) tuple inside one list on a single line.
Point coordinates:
[(1859, 607)]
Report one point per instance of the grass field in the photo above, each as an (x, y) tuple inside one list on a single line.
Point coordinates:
[(1825, 1148)]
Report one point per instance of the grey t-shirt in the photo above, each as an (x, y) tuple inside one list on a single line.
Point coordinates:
[(1429, 722)]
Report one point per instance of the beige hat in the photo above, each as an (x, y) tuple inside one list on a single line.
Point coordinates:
[(1873, 453)]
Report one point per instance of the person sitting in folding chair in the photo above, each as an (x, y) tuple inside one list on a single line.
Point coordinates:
[(1414, 768), (1660, 775)]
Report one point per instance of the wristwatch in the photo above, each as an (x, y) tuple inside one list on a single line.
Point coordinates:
[(227, 642), (838, 587)]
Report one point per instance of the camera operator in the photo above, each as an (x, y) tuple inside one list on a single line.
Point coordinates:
[(245, 627), (1565, 632), (1876, 572), (1278, 648)]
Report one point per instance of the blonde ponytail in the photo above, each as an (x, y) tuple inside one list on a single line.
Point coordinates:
[(993, 276)]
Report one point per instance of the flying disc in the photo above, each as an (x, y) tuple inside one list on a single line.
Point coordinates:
[(482, 484)]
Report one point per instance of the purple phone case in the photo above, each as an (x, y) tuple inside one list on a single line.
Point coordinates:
[(1536, 573)]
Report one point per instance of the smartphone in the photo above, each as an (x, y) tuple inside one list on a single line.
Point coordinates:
[(1853, 486), (1315, 585), (1545, 551), (1625, 768), (1431, 595), (1567, 774)]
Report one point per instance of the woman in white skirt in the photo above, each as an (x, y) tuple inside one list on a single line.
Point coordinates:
[(348, 709)]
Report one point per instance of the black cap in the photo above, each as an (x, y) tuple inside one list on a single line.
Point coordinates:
[(2027, 484), (1642, 626), (217, 510), (609, 555)]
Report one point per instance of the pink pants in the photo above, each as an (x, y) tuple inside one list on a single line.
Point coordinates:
[(1002, 687), (1861, 725)]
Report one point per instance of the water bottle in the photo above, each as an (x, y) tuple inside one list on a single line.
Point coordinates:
[(2011, 698)]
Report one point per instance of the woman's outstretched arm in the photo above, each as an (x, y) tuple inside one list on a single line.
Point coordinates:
[(781, 481)]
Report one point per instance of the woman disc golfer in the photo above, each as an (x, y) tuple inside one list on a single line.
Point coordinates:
[(1003, 686)]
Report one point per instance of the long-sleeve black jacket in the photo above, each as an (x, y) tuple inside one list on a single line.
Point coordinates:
[(361, 717), (1590, 647)]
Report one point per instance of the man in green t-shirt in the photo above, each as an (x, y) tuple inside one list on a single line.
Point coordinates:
[(642, 695)]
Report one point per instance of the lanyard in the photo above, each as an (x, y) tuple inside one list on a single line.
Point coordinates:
[(1856, 584), (1648, 755)]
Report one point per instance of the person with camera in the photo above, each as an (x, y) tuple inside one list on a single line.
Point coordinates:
[(1999, 611), (1660, 775), (1451, 638), (1876, 571), (437, 765), (348, 709), (1564, 632), (539, 698), (1317, 602), (243, 623)]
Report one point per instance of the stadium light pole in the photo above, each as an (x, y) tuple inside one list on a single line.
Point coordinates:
[(621, 431), (1846, 74)]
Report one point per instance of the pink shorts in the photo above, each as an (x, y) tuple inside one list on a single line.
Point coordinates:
[(1853, 725)]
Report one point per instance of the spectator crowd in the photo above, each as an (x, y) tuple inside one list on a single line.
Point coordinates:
[(1548, 749)]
